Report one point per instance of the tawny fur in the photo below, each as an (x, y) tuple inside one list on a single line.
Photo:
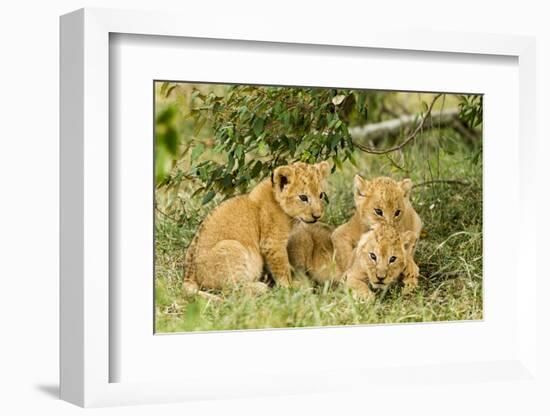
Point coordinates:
[(249, 233), (311, 252), (383, 255), (383, 194)]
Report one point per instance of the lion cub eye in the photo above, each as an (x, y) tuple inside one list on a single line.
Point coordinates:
[(397, 213), (392, 259), (372, 256), (323, 196), (378, 212), (304, 198)]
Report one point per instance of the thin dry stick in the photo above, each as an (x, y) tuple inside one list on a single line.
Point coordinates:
[(166, 215), (446, 181), (411, 137), (394, 163)]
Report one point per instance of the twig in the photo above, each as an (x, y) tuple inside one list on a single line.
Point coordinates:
[(447, 181), (166, 215), (394, 163), (411, 136)]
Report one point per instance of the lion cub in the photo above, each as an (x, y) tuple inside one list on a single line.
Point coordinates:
[(379, 201), (245, 233), (382, 255), (310, 251)]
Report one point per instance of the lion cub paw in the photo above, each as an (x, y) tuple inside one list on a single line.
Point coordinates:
[(360, 291), (410, 280), (366, 296), (409, 286), (255, 288)]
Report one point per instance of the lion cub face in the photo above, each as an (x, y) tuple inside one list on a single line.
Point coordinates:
[(381, 200), (300, 190), (382, 254)]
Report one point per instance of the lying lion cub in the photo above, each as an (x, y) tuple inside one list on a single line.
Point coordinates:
[(379, 201), (382, 255), (245, 233)]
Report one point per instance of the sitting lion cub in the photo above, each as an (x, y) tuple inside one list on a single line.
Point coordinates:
[(245, 233), (382, 255), (379, 201)]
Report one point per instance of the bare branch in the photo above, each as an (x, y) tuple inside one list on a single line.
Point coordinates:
[(444, 181), (399, 124), (166, 215), (389, 128)]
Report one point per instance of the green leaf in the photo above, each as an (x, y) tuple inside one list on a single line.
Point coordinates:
[(197, 191), (239, 151), (262, 148), (286, 120), (352, 159), (227, 181), (170, 141), (424, 107), (256, 169), (169, 91), (230, 162), (166, 115), (198, 126), (292, 145), (163, 88), (197, 151), (208, 197), (337, 162), (258, 126), (161, 165)]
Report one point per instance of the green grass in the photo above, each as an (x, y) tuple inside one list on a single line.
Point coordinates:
[(449, 255)]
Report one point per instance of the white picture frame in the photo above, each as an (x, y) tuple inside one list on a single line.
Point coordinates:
[(86, 335)]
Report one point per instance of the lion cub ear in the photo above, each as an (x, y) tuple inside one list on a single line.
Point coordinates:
[(360, 185), (406, 185), (324, 168), (409, 240), (282, 176)]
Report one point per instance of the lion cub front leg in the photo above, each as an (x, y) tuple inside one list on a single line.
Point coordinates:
[(276, 257), (410, 275), (355, 281)]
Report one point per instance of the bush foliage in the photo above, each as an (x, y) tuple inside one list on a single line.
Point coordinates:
[(255, 129)]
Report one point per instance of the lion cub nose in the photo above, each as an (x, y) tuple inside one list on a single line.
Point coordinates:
[(315, 217), (380, 279)]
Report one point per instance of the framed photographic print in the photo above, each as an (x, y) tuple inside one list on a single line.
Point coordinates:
[(368, 160), (315, 214)]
